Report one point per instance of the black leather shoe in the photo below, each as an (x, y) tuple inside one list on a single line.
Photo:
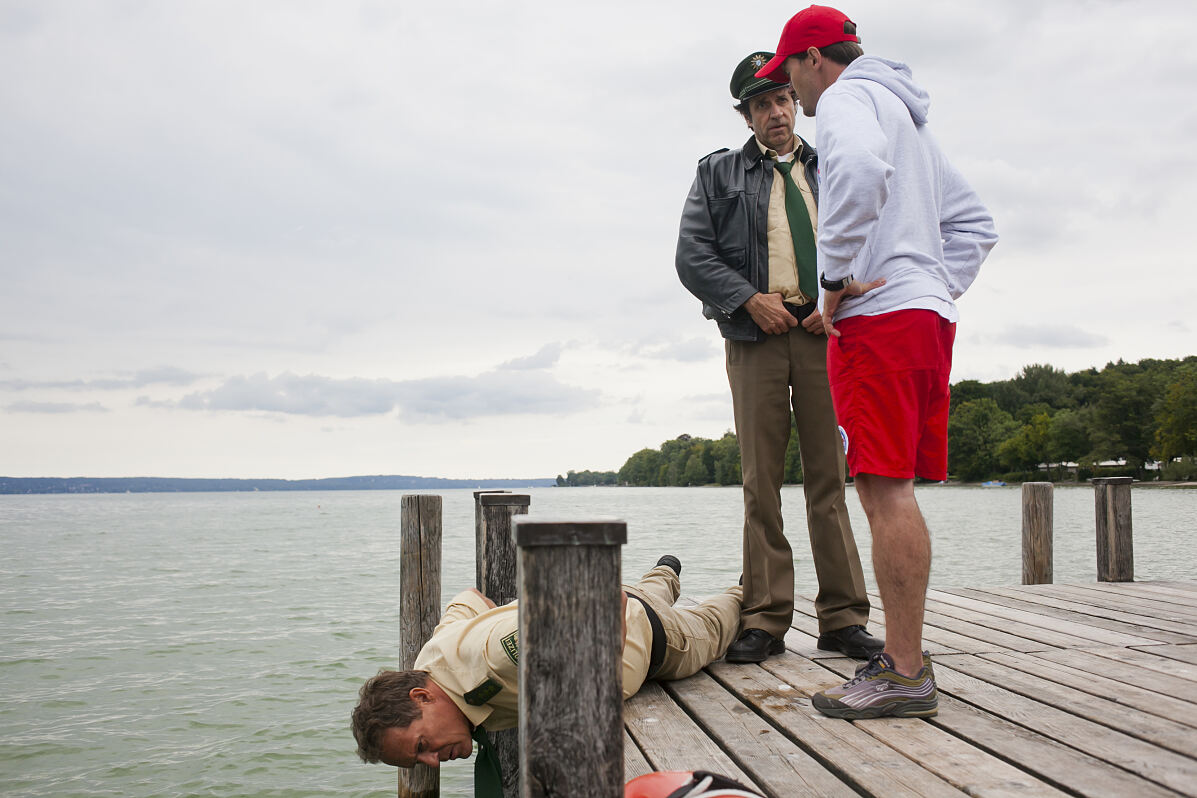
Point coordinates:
[(672, 562), (754, 645), (852, 641)]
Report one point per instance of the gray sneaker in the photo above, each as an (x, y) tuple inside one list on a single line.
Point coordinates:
[(877, 690)]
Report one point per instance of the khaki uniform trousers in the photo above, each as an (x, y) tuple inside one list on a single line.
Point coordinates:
[(767, 378), (694, 636)]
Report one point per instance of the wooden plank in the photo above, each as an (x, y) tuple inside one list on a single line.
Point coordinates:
[(1097, 681), (768, 756), (1161, 630), (957, 676), (979, 627), (1186, 653), (865, 762), (967, 768), (1134, 667), (1155, 591), (1054, 762), (634, 763), (670, 739), (1087, 635), (1128, 602)]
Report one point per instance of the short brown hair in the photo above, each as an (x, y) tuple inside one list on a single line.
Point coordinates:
[(841, 52), (384, 703)]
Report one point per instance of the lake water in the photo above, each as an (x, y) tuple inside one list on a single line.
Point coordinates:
[(213, 644)]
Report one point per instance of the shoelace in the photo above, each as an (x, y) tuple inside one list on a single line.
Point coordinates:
[(875, 665)]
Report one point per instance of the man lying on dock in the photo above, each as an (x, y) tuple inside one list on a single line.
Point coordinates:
[(466, 677)]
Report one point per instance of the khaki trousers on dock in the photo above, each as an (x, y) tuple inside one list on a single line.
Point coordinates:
[(767, 379)]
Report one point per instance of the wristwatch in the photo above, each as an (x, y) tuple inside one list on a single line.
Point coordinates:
[(834, 285)]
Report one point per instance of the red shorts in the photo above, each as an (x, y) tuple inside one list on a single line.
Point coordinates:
[(889, 383)]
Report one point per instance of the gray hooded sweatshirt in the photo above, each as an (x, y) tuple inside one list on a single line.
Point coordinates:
[(890, 203)]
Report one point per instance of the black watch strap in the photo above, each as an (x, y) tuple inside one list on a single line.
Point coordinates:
[(834, 285)]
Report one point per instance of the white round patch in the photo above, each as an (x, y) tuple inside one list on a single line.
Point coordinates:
[(844, 438)]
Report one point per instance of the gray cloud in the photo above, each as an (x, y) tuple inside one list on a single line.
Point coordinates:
[(1064, 336), (547, 357), (159, 375), (494, 393), (55, 407), (689, 351)]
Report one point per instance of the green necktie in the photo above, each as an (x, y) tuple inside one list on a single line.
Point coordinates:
[(801, 231), (488, 781)]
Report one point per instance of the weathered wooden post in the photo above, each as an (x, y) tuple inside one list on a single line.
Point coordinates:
[(496, 569), (479, 556), (419, 608), (571, 695), (1115, 543), (1036, 533)]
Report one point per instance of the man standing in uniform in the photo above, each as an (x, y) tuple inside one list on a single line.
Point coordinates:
[(901, 236), (466, 677), (747, 249)]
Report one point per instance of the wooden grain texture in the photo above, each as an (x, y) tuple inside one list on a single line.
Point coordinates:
[(1115, 540), (1185, 653), (1036, 533), (1155, 629), (856, 757), (965, 767), (634, 763), (479, 554), (1074, 719), (671, 740), (1055, 763), (571, 699), (771, 759), (1150, 659), (995, 634), (1152, 605), (496, 571), (419, 607)]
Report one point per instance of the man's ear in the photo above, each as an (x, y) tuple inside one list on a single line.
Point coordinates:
[(421, 695)]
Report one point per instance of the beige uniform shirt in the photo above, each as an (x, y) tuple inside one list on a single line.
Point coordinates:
[(473, 656), (783, 267)]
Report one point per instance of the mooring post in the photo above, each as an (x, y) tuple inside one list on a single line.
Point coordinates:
[(1037, 533), (571, 694), (496, 569), (1115, 543), (419, 608), (479, 555)]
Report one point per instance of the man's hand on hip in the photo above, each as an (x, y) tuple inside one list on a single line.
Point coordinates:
[(770, 314), (831, 301)]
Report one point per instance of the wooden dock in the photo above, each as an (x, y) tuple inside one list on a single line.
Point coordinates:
[(1044, 690)]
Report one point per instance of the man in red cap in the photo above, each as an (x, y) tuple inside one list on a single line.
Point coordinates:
[(901, 236), (746, 248)]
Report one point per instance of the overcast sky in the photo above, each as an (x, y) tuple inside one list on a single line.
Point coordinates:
[(309, 239)]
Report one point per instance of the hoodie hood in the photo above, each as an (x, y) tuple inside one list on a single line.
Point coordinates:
[(894, 76)]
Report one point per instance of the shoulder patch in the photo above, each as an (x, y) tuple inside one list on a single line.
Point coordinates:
[(482, 693), (511, 647)]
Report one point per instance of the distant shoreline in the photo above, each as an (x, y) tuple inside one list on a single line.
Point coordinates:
[(55, 485)]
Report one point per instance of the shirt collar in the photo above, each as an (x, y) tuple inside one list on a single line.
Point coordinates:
[(768, 153)]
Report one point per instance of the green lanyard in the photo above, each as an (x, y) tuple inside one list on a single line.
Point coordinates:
[(488, 779)]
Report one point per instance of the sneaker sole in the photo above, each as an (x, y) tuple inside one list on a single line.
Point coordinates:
[(898, 709)]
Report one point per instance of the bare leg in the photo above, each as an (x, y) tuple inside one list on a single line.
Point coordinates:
[(901, 563)]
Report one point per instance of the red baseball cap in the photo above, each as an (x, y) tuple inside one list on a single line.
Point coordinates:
[(817, 26)]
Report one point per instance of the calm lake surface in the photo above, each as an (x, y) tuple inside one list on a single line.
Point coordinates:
[(213, 644)]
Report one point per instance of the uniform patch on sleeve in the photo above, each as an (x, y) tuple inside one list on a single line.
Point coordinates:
[(511, 645), (482, 693)]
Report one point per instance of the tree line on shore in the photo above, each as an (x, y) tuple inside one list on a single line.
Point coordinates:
[(1043, 424)]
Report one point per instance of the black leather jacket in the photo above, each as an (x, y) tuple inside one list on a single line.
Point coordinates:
[(722, 248)]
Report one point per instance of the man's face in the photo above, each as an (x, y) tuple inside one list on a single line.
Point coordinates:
[(805, 82), (771, 116), (441, 733)]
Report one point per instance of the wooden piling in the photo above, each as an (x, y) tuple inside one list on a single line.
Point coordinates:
[(419, 608), (496, 570), (1115, 543), (571, 696), (1037, 523), (479, 555)]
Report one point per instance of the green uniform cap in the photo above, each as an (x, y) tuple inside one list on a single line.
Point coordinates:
[(745, 83)]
